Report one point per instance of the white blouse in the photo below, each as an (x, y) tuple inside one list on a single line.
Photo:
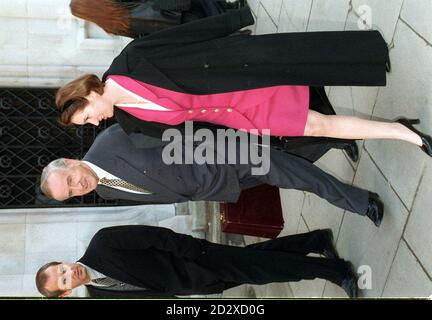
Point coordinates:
[(141, 102)]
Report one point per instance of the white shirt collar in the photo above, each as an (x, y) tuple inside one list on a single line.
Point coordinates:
[(101, 173)]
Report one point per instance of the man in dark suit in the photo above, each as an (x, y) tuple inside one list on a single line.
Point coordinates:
[(145, 261), (118, 167)]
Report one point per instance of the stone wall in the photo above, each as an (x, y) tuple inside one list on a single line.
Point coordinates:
[(43, 45)]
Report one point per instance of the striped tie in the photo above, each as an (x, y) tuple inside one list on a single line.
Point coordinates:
[(121, 183), (104, 282)]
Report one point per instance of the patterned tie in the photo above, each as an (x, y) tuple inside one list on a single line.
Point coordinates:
[(121, 183), (115, 285), (104, 282)]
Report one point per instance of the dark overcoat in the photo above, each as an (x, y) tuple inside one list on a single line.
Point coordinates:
[(203, 57)]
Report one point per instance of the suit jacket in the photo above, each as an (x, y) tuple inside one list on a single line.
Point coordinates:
[(201, 57), (143, 166), (150, 257)]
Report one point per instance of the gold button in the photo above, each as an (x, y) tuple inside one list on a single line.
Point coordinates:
[(203, 110), (229, 110), (190, 111), (216, 110)]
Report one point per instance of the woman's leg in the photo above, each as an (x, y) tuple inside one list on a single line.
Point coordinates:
[(348, 127)]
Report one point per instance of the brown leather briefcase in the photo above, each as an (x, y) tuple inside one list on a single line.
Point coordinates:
[(258, 212)]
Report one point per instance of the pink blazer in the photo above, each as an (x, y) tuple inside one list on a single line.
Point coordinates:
[(282, 109)]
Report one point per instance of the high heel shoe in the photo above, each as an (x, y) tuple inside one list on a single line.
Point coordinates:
[(426, 139)]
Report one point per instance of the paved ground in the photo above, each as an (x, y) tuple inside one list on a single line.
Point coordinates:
[(399, 253)]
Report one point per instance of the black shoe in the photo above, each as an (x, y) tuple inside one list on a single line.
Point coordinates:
[(426, 139), (329, 250), (349, 284), (351, 149), (375, 210)]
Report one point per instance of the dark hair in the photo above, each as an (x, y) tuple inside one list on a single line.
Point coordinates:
[(111, 16), (71, 97), (42, 279)]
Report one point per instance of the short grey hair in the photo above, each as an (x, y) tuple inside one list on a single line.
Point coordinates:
[(50, 168)]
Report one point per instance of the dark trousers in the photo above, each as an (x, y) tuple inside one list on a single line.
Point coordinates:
[(280, 260), (291, 172)]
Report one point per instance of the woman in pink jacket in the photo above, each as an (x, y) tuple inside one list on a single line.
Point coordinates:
[(282, 110), (198, 71)]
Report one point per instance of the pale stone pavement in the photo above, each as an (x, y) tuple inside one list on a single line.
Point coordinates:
[(399, 253)]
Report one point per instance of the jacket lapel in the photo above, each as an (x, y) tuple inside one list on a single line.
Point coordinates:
[(109, 193), (132, 175), (94, 260)]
